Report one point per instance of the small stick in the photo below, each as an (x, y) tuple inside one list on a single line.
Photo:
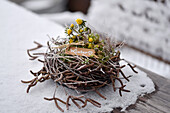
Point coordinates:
[(57, 103), (75, 103), (100, 94), (32, 84), (104, 83), (122, 66), (61, 76), (50, 99), (58, 106), (113, 83), (32, 57), (125, 90), (76, 65), (79, 100), (38, 53), (95, 103), (127, 77), (85, 66), (67, 102), (120, 93), (68, 45), (27, 81), (124, 75), (38, 46), (35, 74), (118, 80), (41, 60), (48, 44), (114, 57), (132, 67)]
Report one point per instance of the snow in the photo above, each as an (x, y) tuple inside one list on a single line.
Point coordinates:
[(19, 28), (38, 4), (65, 17), (42, 6)]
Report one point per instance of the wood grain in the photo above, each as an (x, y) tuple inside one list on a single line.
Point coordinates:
[(156, 102)]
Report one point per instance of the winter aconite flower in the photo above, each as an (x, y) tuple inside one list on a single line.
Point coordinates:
[(78, 35), (90, 40), (72, 25), (96, 46), (86, 28), (71, 40), (73, 36), (90, 46), (79, 21), (92, 56), (69, 31), (81, 30)]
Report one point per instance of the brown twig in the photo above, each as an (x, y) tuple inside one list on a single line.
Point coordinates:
[(124, 75), (100, 94), (132, 67)]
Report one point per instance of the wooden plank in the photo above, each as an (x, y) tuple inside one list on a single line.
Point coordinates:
[(156, 102), (146, 61)]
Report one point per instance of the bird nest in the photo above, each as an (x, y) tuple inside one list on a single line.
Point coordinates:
[(83, 61)]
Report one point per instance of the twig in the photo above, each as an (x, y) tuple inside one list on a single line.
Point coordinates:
[(132, 67)]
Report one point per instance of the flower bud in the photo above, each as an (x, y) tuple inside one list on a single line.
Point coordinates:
[(90, 40), (71, 40), (79, 21), (69, 31), (72, 25), (73, 36), (81, 30)]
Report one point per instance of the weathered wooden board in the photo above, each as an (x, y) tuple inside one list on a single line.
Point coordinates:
[(156, 102)]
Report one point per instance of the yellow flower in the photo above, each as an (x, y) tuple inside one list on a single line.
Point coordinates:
[(81, 30), (72, 25), (96, 46), (79, 21), (91, 55), (85, 29), (73, 36), (78, 35), (71, 40), (69, 31), (90, 46), (90, 40)]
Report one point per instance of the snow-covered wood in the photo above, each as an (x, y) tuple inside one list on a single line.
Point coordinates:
[(146, 61), (143, 24), (156, 102)]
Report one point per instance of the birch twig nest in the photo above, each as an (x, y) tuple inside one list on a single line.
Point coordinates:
[(83, 61)]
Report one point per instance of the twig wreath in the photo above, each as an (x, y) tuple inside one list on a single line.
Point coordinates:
[(83, 61)]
